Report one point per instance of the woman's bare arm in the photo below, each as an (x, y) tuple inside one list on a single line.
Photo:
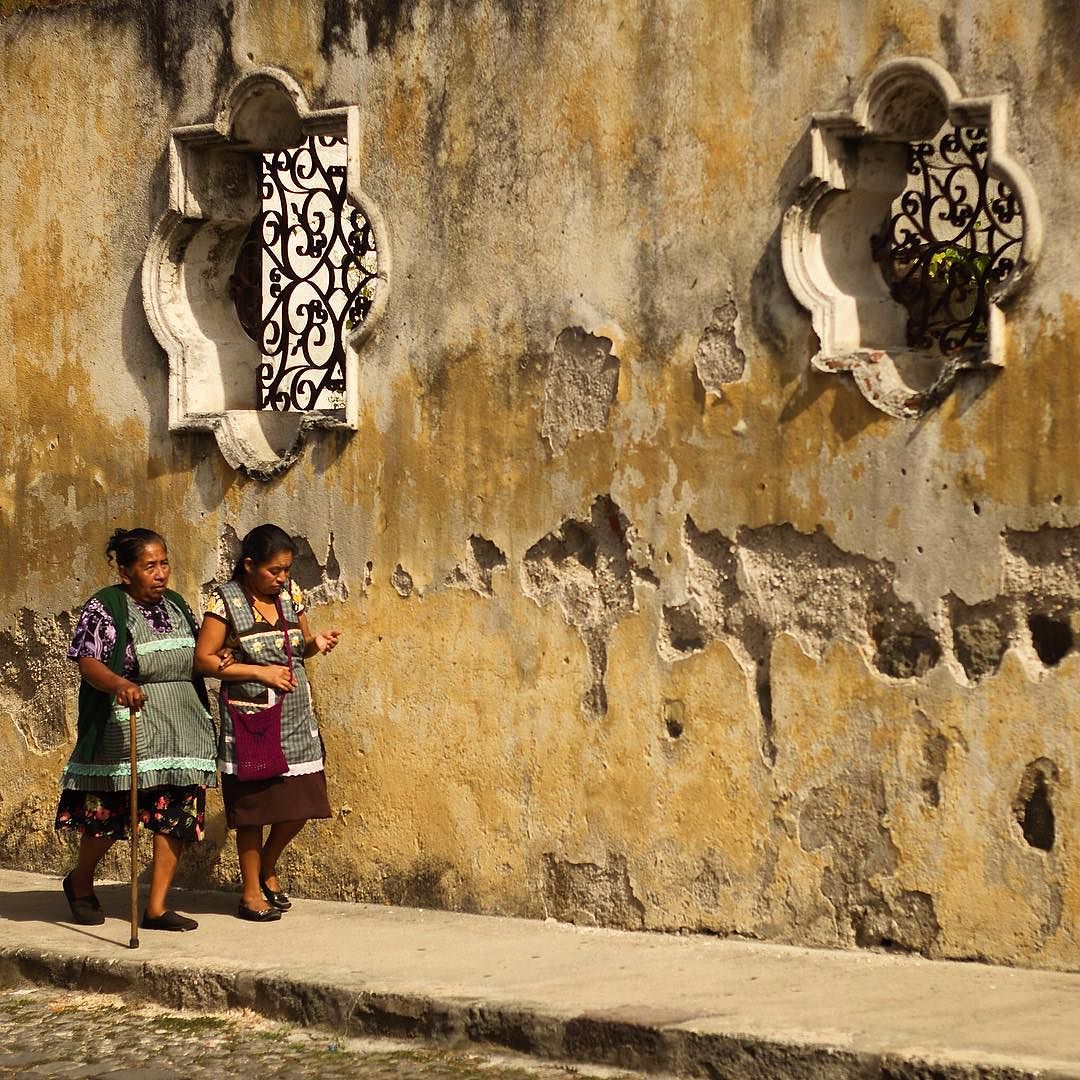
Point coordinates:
[(317, 643), (208, 661)]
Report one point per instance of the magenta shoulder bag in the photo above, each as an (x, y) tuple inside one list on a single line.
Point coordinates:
[(257, 735)]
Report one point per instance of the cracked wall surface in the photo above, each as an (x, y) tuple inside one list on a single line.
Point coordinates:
[(582, 378), (582, 569), (719, 359), (477, 570), (646, 623)]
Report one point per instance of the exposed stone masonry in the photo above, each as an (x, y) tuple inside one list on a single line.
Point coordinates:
[(583, 567), (37, 681), (583, 375), (719, 359), (774, 579), (477, 569)]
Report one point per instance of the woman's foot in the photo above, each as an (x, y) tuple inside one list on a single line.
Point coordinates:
[(277, 897), (85, 910), (167, 920), (266, 914)]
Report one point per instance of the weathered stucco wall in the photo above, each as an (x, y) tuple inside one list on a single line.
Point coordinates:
[(648, 624)]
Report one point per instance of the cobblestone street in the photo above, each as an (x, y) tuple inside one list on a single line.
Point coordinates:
[(56, 1033)]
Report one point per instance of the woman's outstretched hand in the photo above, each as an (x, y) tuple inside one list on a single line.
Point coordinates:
[(277, 677), (327, 640), (129, 694)]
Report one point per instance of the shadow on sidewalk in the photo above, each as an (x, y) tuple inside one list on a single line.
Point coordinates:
[(50, 906)]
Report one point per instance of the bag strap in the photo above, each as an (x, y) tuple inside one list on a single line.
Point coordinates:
[(285, 627)]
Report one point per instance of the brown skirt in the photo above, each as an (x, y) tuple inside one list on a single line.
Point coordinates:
[(281, 798)]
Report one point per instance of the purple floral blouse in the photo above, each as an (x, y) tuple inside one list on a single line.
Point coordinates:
[(95, 636)]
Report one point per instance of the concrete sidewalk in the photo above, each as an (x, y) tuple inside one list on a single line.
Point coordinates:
[(679, 1004)]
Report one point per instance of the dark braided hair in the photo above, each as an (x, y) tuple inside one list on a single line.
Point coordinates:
[(260, 545), (126, 545)]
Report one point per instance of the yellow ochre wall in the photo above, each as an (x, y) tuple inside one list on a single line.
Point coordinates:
[(619, 648)]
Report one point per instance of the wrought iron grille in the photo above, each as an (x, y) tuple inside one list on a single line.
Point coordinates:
[(952, 240), (305, 276)]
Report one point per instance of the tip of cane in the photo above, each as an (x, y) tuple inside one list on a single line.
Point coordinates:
[(133, 943)]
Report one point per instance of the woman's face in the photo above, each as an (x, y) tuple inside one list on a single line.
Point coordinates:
[(268, 578), (148, 575)]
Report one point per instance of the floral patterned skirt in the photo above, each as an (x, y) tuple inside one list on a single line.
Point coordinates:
[(170, 810)]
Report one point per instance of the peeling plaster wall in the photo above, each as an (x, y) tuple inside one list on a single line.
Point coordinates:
[(647, 623)]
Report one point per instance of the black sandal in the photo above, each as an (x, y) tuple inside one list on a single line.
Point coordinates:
[(169, 920), (85, 910), (270, 914), (280, 900)]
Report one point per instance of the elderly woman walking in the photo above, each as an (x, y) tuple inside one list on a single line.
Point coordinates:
[(270, 751), (135, 647)]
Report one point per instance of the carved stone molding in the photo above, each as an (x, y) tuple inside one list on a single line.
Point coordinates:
[(214, 197), (860, 171)]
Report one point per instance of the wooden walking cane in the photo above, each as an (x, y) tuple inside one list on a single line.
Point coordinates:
[(133, 716)]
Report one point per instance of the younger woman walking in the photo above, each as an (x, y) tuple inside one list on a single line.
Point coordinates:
[(259, 617)]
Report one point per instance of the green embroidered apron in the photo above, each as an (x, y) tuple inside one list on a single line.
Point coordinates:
[(262, 644), (174, 731)]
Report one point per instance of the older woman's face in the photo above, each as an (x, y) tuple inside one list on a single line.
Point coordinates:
[(148, 575)]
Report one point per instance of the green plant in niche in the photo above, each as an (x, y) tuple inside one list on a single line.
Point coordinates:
[(943, 262)]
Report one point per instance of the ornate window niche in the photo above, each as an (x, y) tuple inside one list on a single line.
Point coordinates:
[(911, 229), (266, 273)]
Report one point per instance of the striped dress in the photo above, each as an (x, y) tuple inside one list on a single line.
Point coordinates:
[(301, 792), (175, 734)]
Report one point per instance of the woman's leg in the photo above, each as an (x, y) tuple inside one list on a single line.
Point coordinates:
[(249, 842), (92, 850), (167, 851), (281, 833)]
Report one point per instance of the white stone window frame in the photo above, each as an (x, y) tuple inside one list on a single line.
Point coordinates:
[(213, 198), (825, 236)]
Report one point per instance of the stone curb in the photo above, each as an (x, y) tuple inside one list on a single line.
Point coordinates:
[(631, 1043)]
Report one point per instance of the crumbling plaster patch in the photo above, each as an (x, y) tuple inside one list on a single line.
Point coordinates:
[(321, 582), (37, 681), (402, 581), (849, 817), (482, 561), (592, 895), (922, 499), (582, 379), (582, 567), (912, 797), (719, 359), (1037, 611), (980, 635), (775, 579)]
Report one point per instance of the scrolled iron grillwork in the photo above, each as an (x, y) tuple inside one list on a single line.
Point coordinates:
[(305, 276), (952, 240)]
